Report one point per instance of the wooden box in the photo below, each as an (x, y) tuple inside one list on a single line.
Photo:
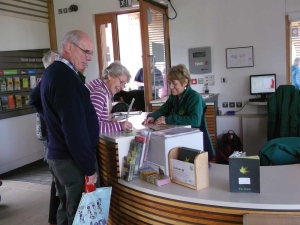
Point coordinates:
[(200, 170)]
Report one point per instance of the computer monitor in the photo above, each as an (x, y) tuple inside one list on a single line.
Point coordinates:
[(262, 85)]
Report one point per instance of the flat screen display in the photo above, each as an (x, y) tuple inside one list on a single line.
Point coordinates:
[(262, 84), (199, 54)]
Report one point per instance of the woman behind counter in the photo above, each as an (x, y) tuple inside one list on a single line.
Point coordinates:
[(113, 80), (184, 106)]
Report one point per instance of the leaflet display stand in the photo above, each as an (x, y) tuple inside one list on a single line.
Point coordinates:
[(201, 175)]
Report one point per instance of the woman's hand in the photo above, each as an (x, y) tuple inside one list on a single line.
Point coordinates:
[(160, 120), (126, 125), (148, 120)]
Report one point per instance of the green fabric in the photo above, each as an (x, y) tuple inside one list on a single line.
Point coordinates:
[(280, 151), (284, 113), (82, 77), (188, 111)]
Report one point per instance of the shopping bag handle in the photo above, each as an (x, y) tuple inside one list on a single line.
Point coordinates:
[(88, 187)]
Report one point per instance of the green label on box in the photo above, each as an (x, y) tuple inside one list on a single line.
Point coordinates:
[(10, 72)]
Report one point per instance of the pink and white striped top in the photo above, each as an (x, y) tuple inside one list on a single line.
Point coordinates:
[(101, 100)]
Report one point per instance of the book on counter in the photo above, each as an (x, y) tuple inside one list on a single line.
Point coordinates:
[(175, 131), (135, 149), (153, 177), (157, 127), (128, 168), (188, 154), (244, 174), (154, 174), (143, 140)]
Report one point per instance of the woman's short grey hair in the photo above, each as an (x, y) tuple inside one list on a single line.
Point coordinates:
[(116, 69), (47, 59), (72, 36)]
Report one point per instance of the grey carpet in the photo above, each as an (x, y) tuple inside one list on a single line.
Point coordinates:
[(36, 172)]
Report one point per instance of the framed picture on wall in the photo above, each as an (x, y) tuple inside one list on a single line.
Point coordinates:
[(239, 57)]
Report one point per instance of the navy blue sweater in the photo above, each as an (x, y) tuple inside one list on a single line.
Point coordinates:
[(64, 102)]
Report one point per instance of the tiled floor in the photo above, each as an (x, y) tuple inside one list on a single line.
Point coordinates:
[(24, 203)]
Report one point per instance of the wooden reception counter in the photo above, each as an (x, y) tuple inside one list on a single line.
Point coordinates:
[(138, 202)]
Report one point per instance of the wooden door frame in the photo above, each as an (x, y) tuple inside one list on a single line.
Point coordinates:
[(51, 25), (101, 19)]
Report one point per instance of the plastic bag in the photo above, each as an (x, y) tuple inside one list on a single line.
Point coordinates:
[(38, 127), (93, 207)]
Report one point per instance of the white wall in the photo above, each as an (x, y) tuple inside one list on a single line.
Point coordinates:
[(215, 23), (20, 34), (83, 19), (18, 142), (229, 24)]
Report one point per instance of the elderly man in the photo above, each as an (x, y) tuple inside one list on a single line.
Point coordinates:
[(64, 102)]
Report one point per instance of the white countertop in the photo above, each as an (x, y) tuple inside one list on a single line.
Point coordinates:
[(280, 186)]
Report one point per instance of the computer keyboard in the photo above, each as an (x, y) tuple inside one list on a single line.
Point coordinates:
[(258, 100)]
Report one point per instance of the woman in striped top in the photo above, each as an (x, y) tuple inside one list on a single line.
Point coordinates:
[(113, 80)]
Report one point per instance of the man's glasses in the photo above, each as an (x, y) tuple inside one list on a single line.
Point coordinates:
[(86, 52), (122, 83)]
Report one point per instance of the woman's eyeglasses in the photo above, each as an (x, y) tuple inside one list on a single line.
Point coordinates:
[(122, 83)]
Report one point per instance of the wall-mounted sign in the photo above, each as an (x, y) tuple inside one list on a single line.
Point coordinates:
[(125, 3)]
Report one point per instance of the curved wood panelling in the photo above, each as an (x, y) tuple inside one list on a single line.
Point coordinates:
[(129, 206)]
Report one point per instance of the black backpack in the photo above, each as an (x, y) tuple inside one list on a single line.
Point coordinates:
[(119, 107), (229, 143)]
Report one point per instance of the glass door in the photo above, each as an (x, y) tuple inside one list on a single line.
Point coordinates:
[(106, 40), (295, 53), (155, 49)]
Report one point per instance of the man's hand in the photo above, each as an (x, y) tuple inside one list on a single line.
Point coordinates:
[(93, 178)]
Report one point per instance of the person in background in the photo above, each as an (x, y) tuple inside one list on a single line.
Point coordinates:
[(184, 106), (49, 58), (164, 90), (127, 96), (156, 77), (296, 73), (64, 103), (113, 80)]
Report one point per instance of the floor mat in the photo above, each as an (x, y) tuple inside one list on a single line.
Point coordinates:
[(37, 172)]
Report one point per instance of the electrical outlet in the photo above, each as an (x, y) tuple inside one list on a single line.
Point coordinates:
[(224, 80), (239, 104), (65, 10), (225, 104), (60, 11), (232, 104), (210, 80)]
